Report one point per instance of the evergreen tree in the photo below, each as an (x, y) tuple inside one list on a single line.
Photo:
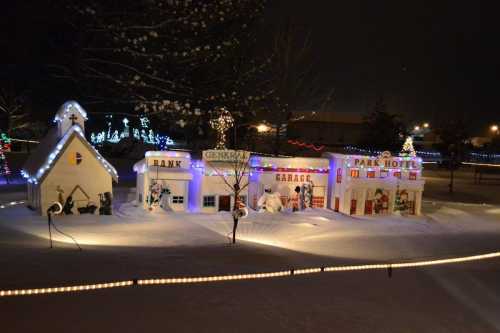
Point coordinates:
[(408, 149), (382, 130)]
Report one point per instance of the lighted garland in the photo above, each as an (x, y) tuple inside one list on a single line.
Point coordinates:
[(249, 276), (4, 146), (221, 124), (306, 145)]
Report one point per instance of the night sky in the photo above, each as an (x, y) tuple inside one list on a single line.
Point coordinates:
[(430, 60)]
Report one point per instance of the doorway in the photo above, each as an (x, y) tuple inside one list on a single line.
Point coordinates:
[(224, 203)]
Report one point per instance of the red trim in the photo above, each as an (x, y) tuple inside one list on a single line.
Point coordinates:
[(298, 170), (306, 145)]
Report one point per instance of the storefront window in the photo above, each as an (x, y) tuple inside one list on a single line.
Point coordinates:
[(354, 173), (339, 175), (413, 176), (209, 201), (397, 174), (177, 199), (384, 173), (370, 174)]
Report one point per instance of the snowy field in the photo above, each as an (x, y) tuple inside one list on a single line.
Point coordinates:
[(314, 231), (137, 244)]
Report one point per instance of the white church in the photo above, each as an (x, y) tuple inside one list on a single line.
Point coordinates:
[(67, 169)]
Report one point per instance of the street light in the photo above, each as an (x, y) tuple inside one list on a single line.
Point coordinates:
[(494, 129), (416, 128), (426, 125), (262, 128)]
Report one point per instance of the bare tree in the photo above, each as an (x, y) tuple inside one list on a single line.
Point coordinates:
[(291, 79), (12, 108), (236, 180), (158, 56)]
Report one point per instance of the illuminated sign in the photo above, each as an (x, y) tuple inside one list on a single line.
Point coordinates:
[(386, 161), (292, 178), (226, 155)]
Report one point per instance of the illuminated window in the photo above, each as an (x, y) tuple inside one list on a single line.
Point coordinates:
[(370, 174), (384, 173), (413, 176), (354, 173), (177, 199), (397, 174), (209, 201), (339, 175)]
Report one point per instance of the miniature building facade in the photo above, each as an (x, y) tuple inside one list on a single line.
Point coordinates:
[(349, 184), (288, 177), (66, 168), (372, 185), (163, 180), (214, 179)]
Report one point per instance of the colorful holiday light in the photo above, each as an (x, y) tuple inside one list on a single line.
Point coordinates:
[(144, 134), (4, 146)]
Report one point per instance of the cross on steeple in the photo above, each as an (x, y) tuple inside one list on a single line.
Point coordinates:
[(73, 119)]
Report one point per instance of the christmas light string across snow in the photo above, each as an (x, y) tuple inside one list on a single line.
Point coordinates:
[(250, 276)]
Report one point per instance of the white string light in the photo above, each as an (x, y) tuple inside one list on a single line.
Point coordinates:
[(221, 124), (251, 276), (55, 153)]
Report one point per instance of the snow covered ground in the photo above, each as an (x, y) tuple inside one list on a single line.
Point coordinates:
[(316, 231), (135, 243)]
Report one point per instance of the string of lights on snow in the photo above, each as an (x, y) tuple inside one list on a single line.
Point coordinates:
[(235, 277)]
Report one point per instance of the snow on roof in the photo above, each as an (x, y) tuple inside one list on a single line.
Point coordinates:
[(289, 162), (50, 149), (66, 108), (169, 153)]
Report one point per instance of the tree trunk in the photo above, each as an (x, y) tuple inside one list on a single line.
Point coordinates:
[(235, 208), (235, 226)]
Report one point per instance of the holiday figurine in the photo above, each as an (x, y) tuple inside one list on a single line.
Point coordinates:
[(68, 206), (106, 201)]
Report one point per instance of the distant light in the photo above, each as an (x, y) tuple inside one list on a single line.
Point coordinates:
[(494, 128), (417, 128), (426, 125), (262, 128)]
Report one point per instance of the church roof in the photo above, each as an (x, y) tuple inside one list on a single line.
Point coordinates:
[(50, 149), (67, 107)]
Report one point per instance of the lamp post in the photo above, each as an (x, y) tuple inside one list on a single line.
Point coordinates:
[(494, 129), (261, 128)]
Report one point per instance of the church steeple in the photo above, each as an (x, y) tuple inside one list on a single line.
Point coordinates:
[(69, 114)]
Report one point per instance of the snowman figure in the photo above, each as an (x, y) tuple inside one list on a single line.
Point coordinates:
[(270, 202)]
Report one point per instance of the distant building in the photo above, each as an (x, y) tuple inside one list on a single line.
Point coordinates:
[(328, 128)]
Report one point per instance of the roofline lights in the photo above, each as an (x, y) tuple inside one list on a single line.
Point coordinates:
[(55, 153), (66, 108)]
